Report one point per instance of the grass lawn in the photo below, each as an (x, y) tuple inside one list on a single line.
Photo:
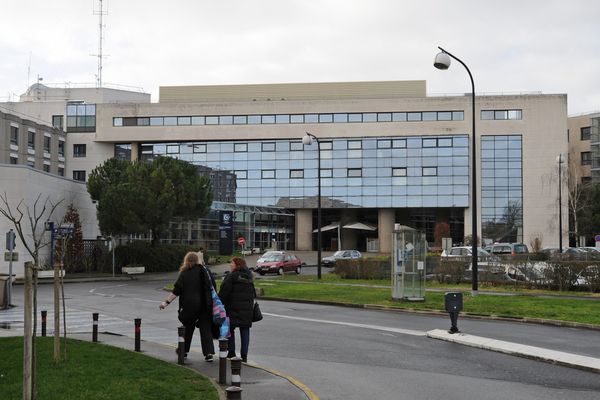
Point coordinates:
[(96, 371), (563, 309)]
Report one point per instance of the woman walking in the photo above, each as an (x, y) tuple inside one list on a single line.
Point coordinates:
[(237, 294), (195, 302)]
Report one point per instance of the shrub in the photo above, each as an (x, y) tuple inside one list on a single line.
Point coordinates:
[(450, 271), (162, 258), (364, 268)]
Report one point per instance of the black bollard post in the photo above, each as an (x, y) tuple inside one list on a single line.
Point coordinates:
[(138, 331), (181, 345), (223, 345), (236, 371), (95, 327), (453, 302), (233, 393), (44, 315)]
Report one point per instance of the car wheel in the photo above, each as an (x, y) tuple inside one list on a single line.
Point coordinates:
[(280, 271), (298, 270)]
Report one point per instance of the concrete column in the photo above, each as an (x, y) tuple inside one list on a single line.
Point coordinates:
[(134, 151), (304, 229), (387, 218)]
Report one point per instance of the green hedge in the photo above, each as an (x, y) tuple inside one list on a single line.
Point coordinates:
[(364, 268), (161, 258)]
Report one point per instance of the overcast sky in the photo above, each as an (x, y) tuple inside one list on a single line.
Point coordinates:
[(510, 46)]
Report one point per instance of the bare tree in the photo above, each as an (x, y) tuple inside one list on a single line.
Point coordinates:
[(28, 221)]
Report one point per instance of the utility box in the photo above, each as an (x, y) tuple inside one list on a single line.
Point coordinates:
[(409, 248), (453, 301)]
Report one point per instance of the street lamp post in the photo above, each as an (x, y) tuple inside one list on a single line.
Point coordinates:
[(308, 139), (559, 160), (442, 61)]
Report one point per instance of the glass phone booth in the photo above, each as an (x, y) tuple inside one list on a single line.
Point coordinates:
[(409, 249)]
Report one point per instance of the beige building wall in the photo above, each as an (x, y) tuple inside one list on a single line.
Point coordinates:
[(578, 146), (386, 220), (26, 184), (304, 229)]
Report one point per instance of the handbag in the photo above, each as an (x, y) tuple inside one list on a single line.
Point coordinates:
[(220, 320), (256, 313)]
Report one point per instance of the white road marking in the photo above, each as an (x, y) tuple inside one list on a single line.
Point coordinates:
[(365, 326)]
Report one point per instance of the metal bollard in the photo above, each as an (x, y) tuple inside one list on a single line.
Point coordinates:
[(181, 345), (233, 393), (223, 345), (95, 327), (138, 331), (44, 315), (236, 371)]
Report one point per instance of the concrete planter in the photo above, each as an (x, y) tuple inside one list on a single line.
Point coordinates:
[(48, 273)]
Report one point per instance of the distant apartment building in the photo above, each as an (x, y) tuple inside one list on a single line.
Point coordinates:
[(584, 147)]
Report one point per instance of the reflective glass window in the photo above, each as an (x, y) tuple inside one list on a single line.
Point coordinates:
[(444, 116), (240, 147), (445, 142), (253, 119), (174, 148), (268, 119), (225, 119), (354, 144), (325, 118), (311, 118), (180, 121), (384, 144), (199, 148), (429, 142), (143, 121), (515, 114), (354, 172), (197, 120), (326, 145), (458, 115), (296, 173), (500, 114), (413, 116), (297, 119), (170, 121), (296, 146), (340, 118), (268, 173), (117, 121), (156, 121), (282, 119), (399, 143), (487, 114), (399, 117), (429, 116), (429, 171), (240, 119), (212, 120), (369, 117), (398, 171), (268, 146), (357, 117), (384, 117)]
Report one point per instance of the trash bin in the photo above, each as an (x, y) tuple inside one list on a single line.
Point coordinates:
[(4, 282)]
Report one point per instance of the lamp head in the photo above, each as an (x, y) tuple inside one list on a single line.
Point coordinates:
[(442, 60), (307, 139)]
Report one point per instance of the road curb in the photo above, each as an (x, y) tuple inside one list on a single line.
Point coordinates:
[(585, 363)]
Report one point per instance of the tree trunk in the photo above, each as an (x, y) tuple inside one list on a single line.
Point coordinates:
[(27, 334)]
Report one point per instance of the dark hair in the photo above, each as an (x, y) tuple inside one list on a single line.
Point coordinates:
[(239, 263)]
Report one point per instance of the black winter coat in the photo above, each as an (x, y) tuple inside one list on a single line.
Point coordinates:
[(193, 288), (237, 294)]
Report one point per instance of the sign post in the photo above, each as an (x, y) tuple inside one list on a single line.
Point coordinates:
[(597, 238), (10, 246)]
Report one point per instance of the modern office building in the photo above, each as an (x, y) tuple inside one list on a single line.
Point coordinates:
[(388, 154)]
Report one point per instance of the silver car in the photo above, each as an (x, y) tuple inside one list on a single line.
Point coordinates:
[(340, 255)]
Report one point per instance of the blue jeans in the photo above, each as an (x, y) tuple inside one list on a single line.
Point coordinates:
[(245, 339)]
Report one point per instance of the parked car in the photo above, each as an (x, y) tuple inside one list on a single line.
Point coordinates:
[(340, 255), (507, 249), (278, 263), (485, 260)]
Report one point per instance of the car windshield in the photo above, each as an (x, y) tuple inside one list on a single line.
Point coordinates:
[(339, 253), (273, 258)]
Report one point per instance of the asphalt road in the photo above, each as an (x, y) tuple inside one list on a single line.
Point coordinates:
[(345, 353)]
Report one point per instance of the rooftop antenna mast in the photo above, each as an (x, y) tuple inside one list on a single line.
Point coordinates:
[(100, 12)]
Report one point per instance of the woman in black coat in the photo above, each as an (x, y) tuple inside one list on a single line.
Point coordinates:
[(195, 302), (237, 295)]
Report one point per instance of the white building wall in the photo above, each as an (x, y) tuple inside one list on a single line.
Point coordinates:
[(22, 183)]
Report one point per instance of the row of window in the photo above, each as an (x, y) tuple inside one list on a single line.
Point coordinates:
[(501, 114), (31, 163), (328, 173), (31, 142), (81, 117), (266, 147), (413, 116)]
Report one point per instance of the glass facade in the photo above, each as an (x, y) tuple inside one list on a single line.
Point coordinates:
[(502, 188), (386, 172), (81, 117)]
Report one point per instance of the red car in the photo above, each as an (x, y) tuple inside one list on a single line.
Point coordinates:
[(279, 264)]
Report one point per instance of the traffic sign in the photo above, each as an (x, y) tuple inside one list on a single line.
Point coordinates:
[(241, 240), (7, 255), (597, 238)]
